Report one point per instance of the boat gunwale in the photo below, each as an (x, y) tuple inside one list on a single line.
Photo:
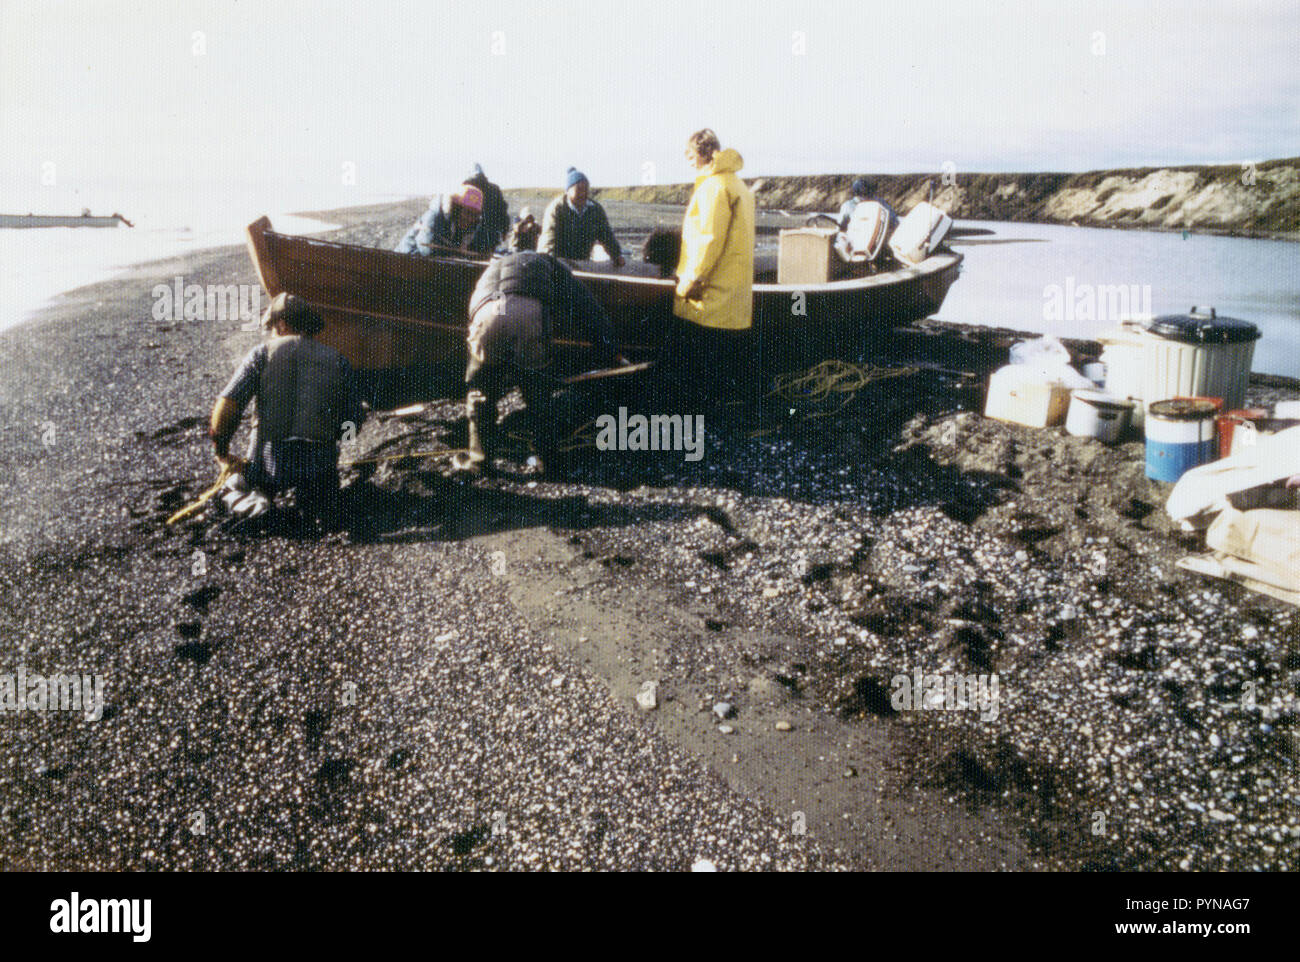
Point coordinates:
[(935, 263)]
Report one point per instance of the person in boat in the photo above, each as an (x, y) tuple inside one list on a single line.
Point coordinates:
[(714, 300), (525, 232), (518, 302), (574, 223), (452, 221), (863, 189), (496, 213), (306, 395)]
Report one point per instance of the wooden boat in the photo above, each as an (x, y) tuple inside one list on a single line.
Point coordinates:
[(387, 310), (86, 219)]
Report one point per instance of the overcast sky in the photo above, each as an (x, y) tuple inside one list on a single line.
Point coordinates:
[(208, 95)]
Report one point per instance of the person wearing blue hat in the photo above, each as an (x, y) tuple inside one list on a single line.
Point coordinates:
[(574, 223)]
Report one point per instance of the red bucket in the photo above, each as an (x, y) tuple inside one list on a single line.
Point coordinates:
[(1229, 421)]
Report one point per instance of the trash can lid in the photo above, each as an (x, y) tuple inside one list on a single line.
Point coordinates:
[(1203, 327)]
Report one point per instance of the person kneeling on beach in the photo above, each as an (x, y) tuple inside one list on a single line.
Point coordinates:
[(518, 303), (306, 398)]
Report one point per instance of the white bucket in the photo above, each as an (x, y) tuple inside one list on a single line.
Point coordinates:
[(1096, 414)]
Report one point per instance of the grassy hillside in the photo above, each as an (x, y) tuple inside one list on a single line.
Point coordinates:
[(1263, 200)]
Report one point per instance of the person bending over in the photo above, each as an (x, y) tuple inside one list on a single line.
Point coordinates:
[(517, 305)]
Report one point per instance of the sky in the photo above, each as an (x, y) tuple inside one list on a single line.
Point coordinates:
[(113, 100)]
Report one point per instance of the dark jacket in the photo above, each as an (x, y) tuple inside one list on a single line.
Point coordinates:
[(571, 309), (523, 238), (566, 233), (437, 227), (496, 213)]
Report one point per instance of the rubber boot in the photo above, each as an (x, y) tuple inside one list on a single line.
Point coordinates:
[(546, 444), (481, 434)]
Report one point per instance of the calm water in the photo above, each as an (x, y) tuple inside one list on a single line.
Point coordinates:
[(37, 264), (1008, 284)]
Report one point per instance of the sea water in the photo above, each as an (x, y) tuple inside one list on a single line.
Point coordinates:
[(1071, 281), (37, 264)]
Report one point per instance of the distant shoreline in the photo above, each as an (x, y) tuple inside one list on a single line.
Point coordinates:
[(1260, 201)]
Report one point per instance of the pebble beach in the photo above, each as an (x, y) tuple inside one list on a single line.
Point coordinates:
[(450, 679)]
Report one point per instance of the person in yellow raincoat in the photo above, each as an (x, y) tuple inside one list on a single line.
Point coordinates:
[(715, 272), (715, 276)]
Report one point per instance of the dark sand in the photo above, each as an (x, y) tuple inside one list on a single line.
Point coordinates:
[(448, 681)]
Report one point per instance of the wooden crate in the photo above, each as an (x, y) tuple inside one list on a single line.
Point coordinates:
[(807, 256)]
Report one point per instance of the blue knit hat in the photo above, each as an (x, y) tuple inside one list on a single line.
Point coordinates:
[(575, 176), (860, 187)]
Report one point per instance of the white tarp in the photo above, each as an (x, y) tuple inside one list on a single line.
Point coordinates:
[(1259, 549), (1203, 492)]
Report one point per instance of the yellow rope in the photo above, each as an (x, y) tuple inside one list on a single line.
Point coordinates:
[(204, 498), (821, 383)]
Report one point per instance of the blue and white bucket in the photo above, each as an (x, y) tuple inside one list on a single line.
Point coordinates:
[(1181, 435)]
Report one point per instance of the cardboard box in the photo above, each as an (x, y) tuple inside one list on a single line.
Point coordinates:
[(1018, 396), (807, 256)]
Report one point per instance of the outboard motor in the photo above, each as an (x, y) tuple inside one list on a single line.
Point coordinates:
[(920, 233), (867, 231)]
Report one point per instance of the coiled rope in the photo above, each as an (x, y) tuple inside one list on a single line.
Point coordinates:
[(830, 386)]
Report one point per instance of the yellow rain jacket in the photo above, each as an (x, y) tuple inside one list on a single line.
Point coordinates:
[(718, 246)]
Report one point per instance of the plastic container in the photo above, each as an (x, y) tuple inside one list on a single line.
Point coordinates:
[(1180, 436), (1096, 373), (1198, 354), (1096, 414), (1247, 432)]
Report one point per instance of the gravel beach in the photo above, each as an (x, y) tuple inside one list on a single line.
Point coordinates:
[(450, 680)]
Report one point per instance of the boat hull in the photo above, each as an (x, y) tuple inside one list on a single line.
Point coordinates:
[(384, 310)]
